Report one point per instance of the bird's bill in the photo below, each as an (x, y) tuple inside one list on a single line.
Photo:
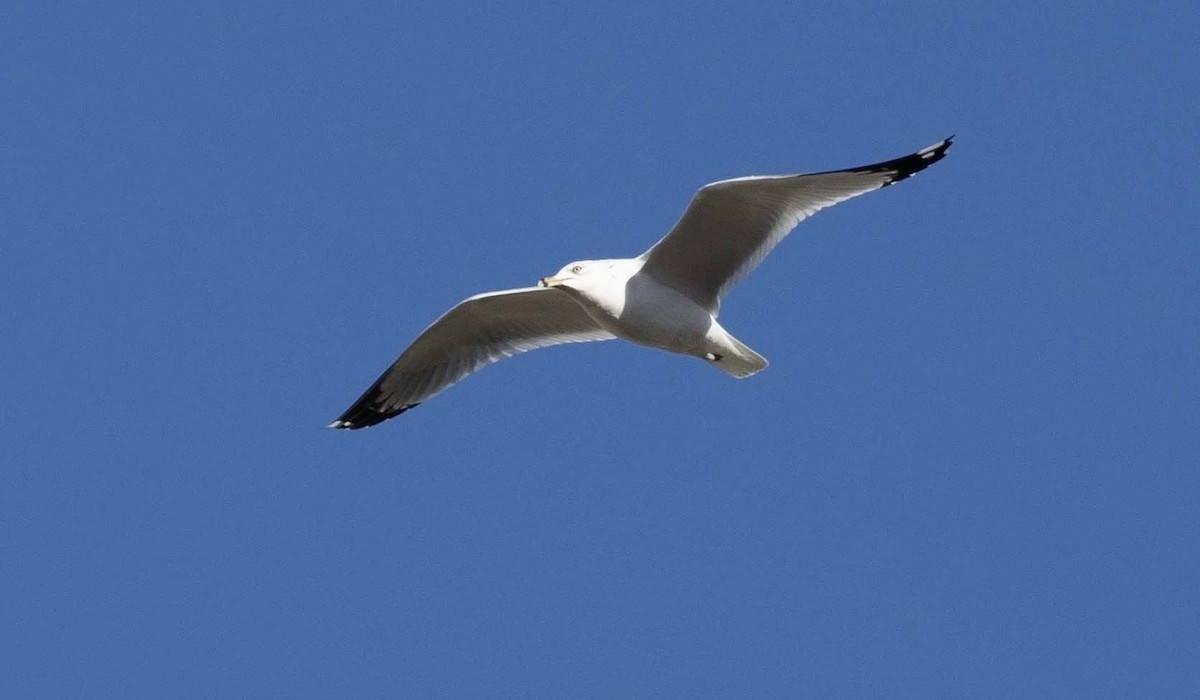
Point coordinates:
[(550, 281)]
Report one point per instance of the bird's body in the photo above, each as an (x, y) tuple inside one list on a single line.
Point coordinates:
[(667, 298), (632, 305)]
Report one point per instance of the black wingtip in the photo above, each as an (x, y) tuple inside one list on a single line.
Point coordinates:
[(357, 418), (368, 411), (911, 164)]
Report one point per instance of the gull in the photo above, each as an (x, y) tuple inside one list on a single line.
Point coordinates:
[(666, 298)]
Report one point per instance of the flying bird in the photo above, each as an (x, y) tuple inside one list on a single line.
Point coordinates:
[(666, 298)]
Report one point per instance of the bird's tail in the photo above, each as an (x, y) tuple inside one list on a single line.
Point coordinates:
[(737, 359)]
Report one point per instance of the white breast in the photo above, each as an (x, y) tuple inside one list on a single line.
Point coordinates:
[(649, 313)]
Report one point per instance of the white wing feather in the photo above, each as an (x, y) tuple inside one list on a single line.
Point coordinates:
[(478, 331), (730, 226)]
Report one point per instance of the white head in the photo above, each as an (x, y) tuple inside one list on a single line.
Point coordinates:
[(602, 281), (583, 275)]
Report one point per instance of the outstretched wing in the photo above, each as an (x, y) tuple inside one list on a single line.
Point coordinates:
[(731, 225), (480, 330)]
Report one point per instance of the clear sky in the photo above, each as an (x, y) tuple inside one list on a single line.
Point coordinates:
[(970, 470)]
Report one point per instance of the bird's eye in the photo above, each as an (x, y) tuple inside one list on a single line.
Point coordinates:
[(577, 269)]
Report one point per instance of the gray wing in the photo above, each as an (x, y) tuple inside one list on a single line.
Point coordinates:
[(730, 226), (480, 330)]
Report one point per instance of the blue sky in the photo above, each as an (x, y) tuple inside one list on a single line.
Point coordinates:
[(970, 470)]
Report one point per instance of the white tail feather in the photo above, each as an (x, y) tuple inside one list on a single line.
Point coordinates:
[(739, 360)]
